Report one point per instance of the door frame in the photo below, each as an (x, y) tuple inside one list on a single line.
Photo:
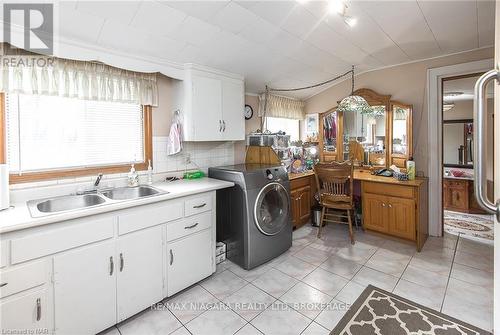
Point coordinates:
[(434, 133)]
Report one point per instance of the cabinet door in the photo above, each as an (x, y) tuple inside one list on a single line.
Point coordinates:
[(189, 260), (375, 212), (402, 218), (25, 312), (139, 270), (233, 101), (295, 207), (85, 289), (305, 204), (207, 108)]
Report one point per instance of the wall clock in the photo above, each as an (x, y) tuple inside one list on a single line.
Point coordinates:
[(248, 112)]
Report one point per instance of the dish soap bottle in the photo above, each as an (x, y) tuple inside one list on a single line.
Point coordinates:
[(133, 177), (410, 168), (150, 173)]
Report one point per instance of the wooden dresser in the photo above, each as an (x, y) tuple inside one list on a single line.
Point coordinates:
[(302, 190), (458, 196), (396, 208)]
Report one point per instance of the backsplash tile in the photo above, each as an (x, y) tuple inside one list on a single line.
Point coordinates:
[(201, 155)]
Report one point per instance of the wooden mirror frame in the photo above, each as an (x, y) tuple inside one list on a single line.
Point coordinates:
[(464, 121), (374, 99)]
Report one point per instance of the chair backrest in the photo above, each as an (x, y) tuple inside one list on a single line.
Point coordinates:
[(335, 181)]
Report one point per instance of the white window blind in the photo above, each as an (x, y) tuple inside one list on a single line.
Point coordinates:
[(289, 126), (52, 133)]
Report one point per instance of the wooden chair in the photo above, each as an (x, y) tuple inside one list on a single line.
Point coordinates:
[(334, 182)]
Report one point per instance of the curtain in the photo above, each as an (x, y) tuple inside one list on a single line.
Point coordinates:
[(278, 106), (77, 79)]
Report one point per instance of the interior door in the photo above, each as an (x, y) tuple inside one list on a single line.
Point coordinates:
[(85, 289), (233, 102), (139, 269), (207, 106), (496, 160)]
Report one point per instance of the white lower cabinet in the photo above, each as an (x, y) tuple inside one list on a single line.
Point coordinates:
[(85, 289), (24, 312), (189, 260), (139, 271)]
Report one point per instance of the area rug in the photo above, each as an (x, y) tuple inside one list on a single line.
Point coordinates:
[(380, 312), (472, 225)]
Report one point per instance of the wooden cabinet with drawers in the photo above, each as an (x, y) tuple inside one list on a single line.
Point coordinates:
[(302, 188), (458, 196), (397, 209)]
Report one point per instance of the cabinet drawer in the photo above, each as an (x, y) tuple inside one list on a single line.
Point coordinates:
[(22, 277), (389, 189), (458, 184), (148, 216), (25, 313), (198, 204), (188, 226), (86, 231), (300, 182)]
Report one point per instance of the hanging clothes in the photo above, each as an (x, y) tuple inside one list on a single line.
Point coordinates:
[(174, 144)]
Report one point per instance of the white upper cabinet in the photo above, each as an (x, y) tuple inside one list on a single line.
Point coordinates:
[(211, 105)]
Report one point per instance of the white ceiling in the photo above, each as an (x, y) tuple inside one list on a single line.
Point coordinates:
[(464, 85), (281, 43)]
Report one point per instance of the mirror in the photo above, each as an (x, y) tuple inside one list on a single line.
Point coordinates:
[(400, 130), (458, 143), (364, 136), (329, 122)]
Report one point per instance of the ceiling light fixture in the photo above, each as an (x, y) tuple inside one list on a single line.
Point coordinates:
[(337, 7), (354, 103), (447, 107), (453, 94)]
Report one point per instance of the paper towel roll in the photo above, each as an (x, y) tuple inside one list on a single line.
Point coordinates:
[(4, 186)]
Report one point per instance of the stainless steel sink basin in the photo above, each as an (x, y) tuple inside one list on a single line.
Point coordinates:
[(63, 203), (126, 193)]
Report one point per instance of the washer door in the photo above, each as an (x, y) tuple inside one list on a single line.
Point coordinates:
[(271, 209)]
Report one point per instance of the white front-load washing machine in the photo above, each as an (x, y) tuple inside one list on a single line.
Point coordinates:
[(253, 217)]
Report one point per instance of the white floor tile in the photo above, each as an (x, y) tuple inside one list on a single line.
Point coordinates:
[(295, 267), (223, 284), (150, 322), (249, 302), (248, 330), (280, 319), (389, 262), (341, 267), (306, 300), (437, 265), (474, 261), (329, 317), (355, 253), (181, 331), (472, 275), (325, 281), (367, 276), (315, 329), (249, 275), (190, 303), (350, 292), (312, 255), (470, 293), (216, 321), (479, 316), (424, 277), (275, 282), (429, 297)]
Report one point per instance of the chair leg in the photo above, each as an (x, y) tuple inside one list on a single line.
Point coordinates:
[(321, 221), (351, 234)]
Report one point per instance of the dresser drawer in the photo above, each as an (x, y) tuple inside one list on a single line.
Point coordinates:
[(23, 277), (149, 215), (83, 231), (198, 204), (188, 226), (389, 189)]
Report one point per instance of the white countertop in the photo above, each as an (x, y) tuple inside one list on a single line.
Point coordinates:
[(19, 217)]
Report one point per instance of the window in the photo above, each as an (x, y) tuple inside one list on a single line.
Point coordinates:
[(52, 136), (289, 126)]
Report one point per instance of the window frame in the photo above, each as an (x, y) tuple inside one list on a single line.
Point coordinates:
[(27, 177)]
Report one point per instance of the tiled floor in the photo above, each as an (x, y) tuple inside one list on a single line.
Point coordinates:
[(305, 290)]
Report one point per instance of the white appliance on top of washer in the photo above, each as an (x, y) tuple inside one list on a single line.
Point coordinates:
[(253, 217)]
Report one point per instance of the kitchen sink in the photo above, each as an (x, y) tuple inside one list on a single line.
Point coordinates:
[(126, 193), (64, 203)]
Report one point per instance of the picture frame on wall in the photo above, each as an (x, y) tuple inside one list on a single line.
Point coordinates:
[(311, 124)]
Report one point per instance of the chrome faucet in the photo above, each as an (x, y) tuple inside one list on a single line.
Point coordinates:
[(98, 180)]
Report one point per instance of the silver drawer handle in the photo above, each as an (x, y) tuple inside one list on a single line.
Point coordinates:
[(480, 142), (38, 309), (3, 284), (192, 226), (383, 205), (111, 266), (390, 206), (171, 257), (122, 262), (200, 206)]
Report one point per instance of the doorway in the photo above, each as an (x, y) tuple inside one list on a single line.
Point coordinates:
[(462, 215)]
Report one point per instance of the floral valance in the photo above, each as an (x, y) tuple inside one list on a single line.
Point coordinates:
[(278, 106), (33, 74)]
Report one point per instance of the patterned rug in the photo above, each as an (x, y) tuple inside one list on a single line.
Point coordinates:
[(380, 312), (473, 225)]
